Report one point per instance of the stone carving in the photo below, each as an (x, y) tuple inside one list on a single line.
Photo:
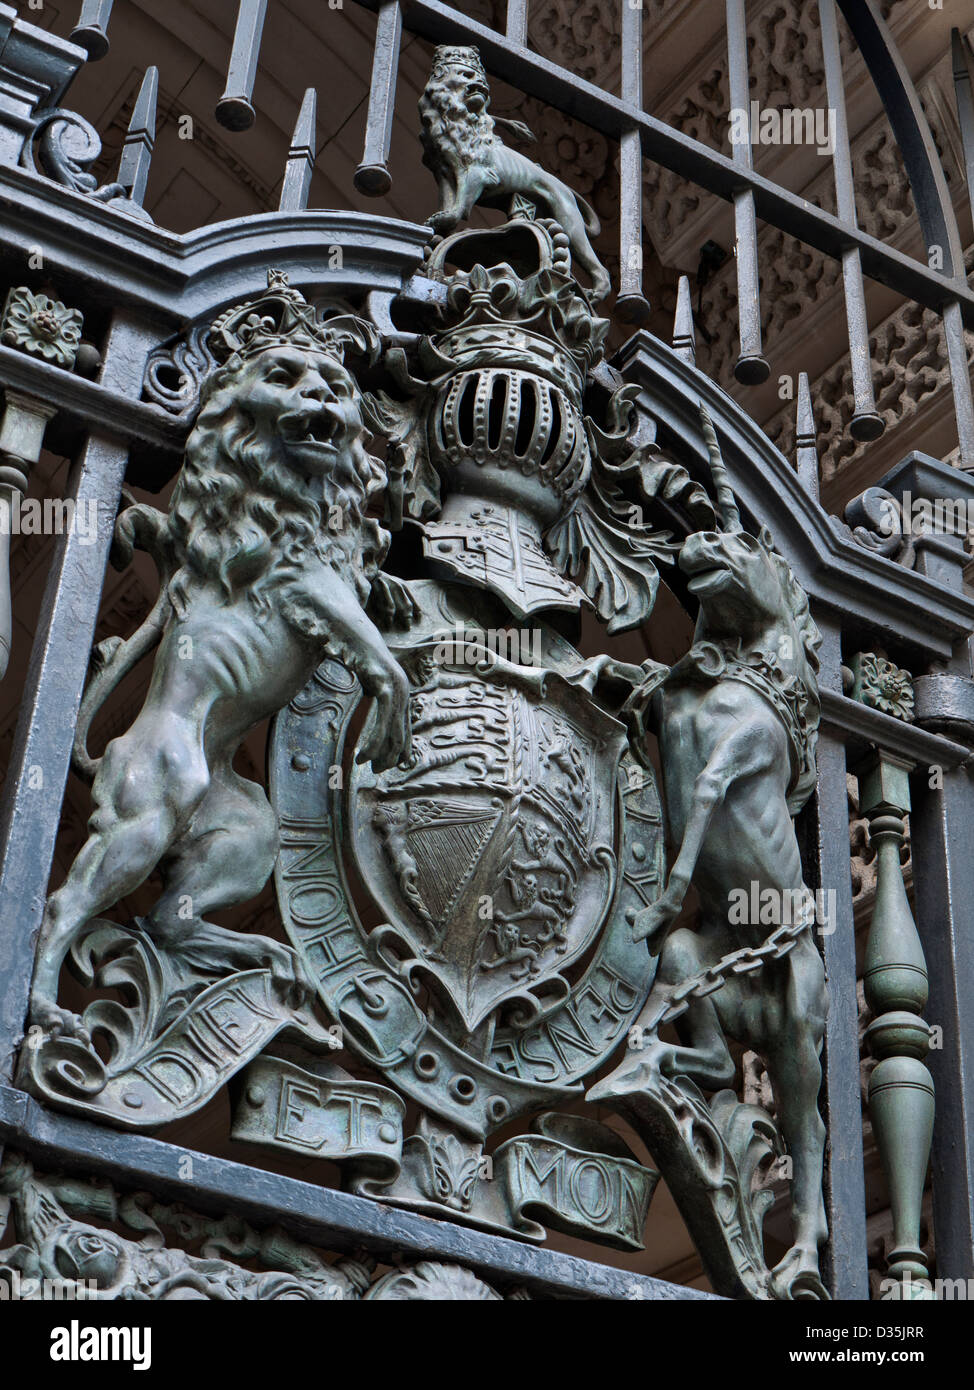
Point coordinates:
[(578, 37), (472, 165), (427, 1282), (250, 586), (737, 720), (61, 1253)]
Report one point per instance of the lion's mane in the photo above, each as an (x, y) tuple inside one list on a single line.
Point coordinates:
[(462, 137), (238, 517)]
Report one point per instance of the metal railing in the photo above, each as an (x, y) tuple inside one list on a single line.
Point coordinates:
[(163, 286)]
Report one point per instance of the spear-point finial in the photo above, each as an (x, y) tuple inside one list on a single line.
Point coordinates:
[(806, 446), (301, 157), (684, 329), (133, 167), (726, 502)]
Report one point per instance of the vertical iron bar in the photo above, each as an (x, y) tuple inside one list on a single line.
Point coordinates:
[(133, 166), (235, 109), (960, 375), (30, 809), (953, 322), (825, 854), (684, 330), (22, 427), (942, 836), (631, 304), (935, 210), (866, 422), (751, 367), (965, 105), (806, 445), (301, 158), (517, 22), (91, 31), (372, 176), (943, 860)]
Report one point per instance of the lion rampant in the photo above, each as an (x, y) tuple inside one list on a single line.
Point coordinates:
[(266, 560), (471, 165)]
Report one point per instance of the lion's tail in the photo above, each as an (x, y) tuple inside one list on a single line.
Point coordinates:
[(115, 657)]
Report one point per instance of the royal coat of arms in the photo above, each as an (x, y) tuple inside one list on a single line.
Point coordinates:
[(462, 817)]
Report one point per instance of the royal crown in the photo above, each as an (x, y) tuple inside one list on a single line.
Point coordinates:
[(281, 316), (447, 56)]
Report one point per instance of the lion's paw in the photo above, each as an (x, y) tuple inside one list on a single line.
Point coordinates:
[(55, 1022)]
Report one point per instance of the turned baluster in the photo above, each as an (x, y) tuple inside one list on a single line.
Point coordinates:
[(901, 1094)]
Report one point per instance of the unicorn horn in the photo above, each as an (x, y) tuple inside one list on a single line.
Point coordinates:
[(726, 503)]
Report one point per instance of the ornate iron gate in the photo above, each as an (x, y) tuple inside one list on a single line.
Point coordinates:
[(499, 811)]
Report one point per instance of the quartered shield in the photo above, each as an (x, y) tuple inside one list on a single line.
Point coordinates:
[(491, 853)]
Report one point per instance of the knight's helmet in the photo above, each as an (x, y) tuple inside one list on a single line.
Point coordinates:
[(506, 430)]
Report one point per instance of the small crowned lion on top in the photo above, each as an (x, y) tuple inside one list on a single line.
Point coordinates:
[(471, 165), (266, 559)]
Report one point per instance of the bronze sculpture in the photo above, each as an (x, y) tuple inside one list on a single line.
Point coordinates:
[(472, 165), (469, 905), (737, 719), (267, 559)]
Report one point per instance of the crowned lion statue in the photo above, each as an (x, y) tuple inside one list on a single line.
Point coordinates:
[(266, 561), (472, 165)]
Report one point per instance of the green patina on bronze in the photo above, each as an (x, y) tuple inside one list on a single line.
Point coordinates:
[(498, 813)]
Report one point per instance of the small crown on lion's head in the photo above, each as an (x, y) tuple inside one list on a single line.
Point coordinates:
[(282, 317), (447, 56)]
